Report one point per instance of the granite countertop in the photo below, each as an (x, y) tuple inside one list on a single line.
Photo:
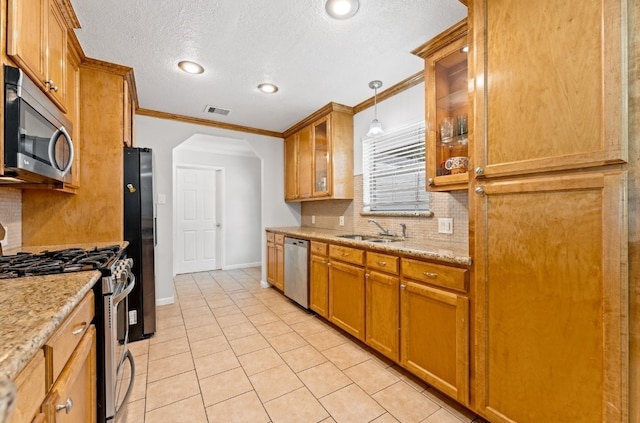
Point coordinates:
[(438, 250)]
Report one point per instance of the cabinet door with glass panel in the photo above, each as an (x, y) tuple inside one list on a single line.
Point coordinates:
[(447, 109), (321, 158)]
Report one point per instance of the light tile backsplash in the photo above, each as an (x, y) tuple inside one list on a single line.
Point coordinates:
[(11, 216), (453, 205)]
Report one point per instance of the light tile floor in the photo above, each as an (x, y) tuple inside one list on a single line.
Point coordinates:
[(231, 351)]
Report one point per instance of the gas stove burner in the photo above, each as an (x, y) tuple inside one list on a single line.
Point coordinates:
[(59, 261)]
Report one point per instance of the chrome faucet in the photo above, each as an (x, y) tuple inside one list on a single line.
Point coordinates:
[(383, 231), (404, 230)]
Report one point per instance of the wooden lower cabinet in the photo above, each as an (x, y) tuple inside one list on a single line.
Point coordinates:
[(346, 297), (551, 308), (30, 391), (434, 329), (275, 260), (72, 398), (383, 313), (319, 279)]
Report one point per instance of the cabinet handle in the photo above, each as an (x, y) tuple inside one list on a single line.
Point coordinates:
[(430, 275), (431, 181), (480, 191), (381, 263), (51, 84), (403, 286), (366, 276), (81, 329), (67, 406), (345, 254), (479, 171)]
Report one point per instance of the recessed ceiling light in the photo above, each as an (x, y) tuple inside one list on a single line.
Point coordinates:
[(190, 67), (268, 88), (342, 9)]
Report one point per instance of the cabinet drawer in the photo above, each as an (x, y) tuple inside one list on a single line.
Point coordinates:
[(76, 386), (350, 255), (382, 262), (30, 387), (435, 274), (64, 340), (318, 248), (270, 236), (279, 239)]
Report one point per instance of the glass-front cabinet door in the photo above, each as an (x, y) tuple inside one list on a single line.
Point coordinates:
[(447, 109), (321, 158)]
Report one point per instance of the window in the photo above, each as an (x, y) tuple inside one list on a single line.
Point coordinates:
[(394, 171)]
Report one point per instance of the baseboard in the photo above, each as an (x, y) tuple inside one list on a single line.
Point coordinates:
[(165, 301), (264, 284), (242, 266)]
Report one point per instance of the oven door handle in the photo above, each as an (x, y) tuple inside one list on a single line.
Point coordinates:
[(126, 291), (125, 399)]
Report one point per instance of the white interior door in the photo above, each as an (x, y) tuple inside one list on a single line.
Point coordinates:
[(196, 219)]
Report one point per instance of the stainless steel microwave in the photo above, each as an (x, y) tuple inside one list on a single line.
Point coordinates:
[(37, 135)]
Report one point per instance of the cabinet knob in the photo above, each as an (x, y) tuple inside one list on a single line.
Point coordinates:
[(479, 171), (403, 286), (329, 264), (480, 191), (51, 84), (366, 276), (381, 263), (430, 181), (67, 406)]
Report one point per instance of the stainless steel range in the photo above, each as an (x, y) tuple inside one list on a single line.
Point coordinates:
[(113, 358)]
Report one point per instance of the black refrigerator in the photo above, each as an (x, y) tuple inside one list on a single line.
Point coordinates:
[(139, 230)]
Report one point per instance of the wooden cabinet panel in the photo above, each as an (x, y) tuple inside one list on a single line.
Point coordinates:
[(291, 168), (279, 281), (319, 284), (435, 274), (346, 254), (30, 390), (383, 262), (434, 332), (76, 386), (556, 103), (56, 54), (346, 297), (382, 303), (305, 163), (551, 308), (319, 248), (61, 344)]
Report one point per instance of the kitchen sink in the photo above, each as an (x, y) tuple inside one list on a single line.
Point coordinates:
[(370, 238)]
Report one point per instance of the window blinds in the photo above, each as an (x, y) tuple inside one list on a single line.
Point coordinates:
[(394, 171)]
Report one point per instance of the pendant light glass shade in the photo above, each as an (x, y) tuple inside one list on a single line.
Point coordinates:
[(375, 129)]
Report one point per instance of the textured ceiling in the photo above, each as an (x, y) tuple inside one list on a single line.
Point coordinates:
[(294, 44)]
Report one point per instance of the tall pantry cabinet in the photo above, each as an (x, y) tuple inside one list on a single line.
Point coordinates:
[(549, 208)]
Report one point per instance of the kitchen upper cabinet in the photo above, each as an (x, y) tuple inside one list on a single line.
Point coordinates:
[(447, 109), (95, 212), (319, 279), (551, 308), (319, 156), (37, 40), (382, 304), (347, 290), (434, 329), (550, 85)]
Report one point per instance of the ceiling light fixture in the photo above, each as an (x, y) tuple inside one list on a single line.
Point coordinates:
[(268, 88), (342, 9), (375, 128), (190, 67)]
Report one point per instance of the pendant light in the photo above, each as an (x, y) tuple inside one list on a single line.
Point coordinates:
[(375, 129)]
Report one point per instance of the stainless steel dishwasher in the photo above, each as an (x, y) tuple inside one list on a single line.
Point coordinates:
[(296, 270)]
